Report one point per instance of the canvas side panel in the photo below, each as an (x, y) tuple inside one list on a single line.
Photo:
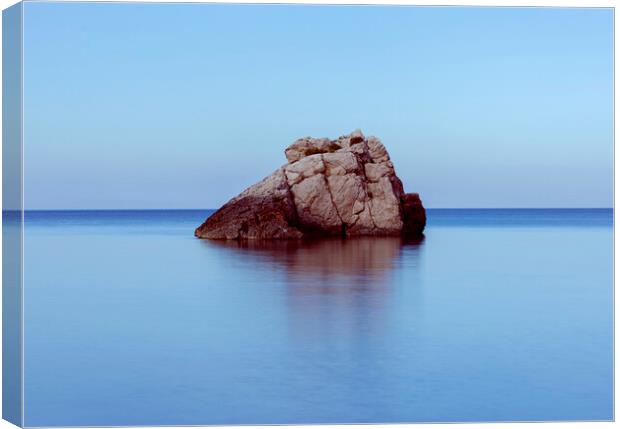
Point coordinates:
[(12, 215)]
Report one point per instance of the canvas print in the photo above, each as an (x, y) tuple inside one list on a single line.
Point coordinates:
[(232, 214)]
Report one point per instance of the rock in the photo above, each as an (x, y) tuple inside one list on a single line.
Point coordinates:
[(414, 215), (263, 211), (308, 146), (342, 187)]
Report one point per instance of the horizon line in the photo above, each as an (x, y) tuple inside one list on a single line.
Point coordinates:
[(214, 209)]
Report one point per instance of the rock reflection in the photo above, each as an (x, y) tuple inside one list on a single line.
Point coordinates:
[(329, 262), (335, 290)]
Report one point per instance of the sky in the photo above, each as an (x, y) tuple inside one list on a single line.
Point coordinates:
[(130, 106)]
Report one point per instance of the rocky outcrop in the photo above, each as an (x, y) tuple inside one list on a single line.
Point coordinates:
[(342, 187)]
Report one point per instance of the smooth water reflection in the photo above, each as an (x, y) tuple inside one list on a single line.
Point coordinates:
[(333, 287), (360, 262), (131, 320)]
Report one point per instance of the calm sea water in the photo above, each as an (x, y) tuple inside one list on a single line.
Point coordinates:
[(496, 315)]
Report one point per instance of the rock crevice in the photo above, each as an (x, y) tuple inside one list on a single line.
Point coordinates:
[(346, 186), (331, 195)]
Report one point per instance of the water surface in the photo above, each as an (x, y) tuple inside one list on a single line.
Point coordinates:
[(496, 315)]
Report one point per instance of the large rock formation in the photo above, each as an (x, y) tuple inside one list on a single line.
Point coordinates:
[(344, 187)]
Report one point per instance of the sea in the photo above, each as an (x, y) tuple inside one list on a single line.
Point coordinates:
[(494, 315)]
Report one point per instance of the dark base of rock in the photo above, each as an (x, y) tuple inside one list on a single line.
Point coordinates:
[(414, 215), (252, 219), (249, 219)]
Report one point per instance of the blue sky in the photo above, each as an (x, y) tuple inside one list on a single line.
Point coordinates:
[(185, 105)]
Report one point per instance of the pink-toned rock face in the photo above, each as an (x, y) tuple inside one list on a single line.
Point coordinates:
[(263, 211), (346, 186)]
